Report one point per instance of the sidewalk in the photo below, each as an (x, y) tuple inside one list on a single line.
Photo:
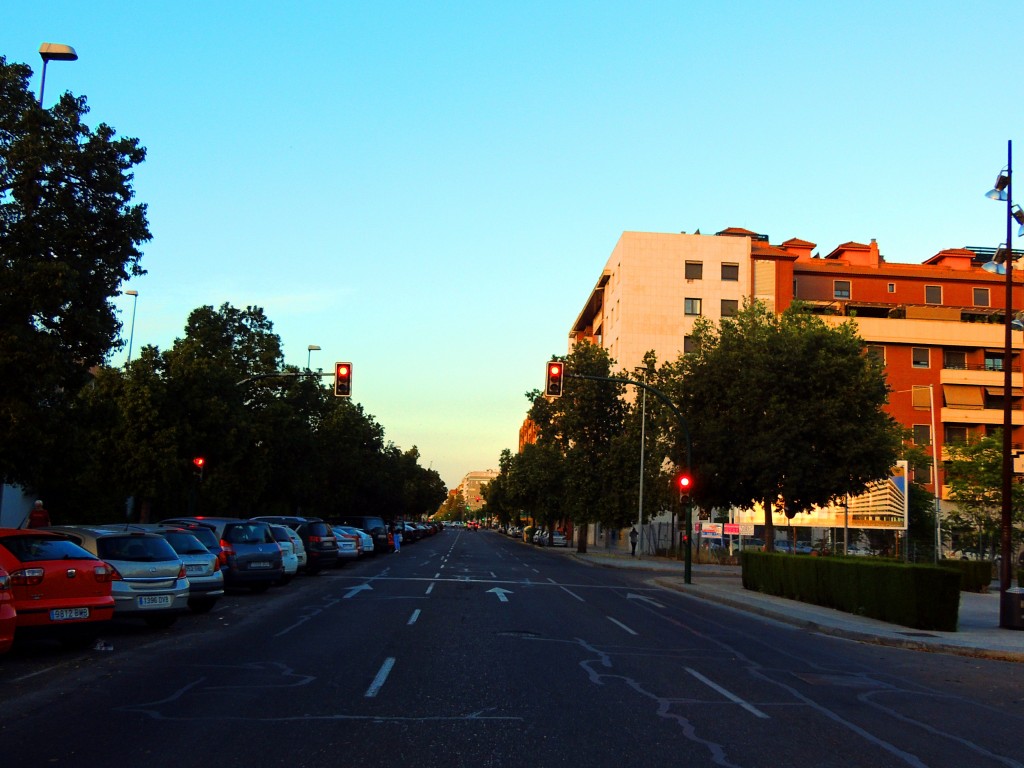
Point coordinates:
[(978, 633)]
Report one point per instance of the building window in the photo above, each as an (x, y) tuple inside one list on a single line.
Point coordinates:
[(689, 345), (919, 357), (841, 289), (956, 434), (993, 361), (730, 307), (922, 434), (877, 351), (981, 297), (691, 306), (892, 287), (694, 270), (921, 475), (954, 358), (933, 294), (730, 271)]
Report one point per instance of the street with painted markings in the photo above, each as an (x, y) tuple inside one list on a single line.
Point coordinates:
[(471, 649)]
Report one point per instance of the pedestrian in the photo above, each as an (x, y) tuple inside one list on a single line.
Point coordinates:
[(38, 517), (398, 538), (633, 536)]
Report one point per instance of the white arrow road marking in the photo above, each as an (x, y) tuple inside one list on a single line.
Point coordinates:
[(356, 590), (647, 600), (501, 593)]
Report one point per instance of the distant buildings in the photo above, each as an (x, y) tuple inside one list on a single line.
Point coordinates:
[(471, 487)]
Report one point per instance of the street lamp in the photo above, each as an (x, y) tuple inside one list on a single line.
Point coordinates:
[(53, 52), (131, 333), (1009, 605), (309, 353)]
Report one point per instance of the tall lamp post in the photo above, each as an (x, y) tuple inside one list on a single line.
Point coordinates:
[(131, 333), (53, 52), (1009, 604), (309, 353)]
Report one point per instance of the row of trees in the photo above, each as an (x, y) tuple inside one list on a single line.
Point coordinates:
[(782, 411), (103, 444)]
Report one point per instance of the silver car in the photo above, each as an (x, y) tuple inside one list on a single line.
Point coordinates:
[(150, 581), (365, 539), (289, 557), (205, 578)]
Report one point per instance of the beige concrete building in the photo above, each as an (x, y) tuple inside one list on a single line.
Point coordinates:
[(471, 487)]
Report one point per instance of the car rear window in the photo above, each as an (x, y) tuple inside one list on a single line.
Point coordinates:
[(138, 549), (280, 534), (185, 543), (367, 524), (206, 537), (318, 529), (248, 533), (34, 549)]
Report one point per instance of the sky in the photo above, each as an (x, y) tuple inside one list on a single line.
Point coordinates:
[(430, 190)]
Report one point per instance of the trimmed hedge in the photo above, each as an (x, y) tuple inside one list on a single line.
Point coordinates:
[(918, 596), (975, 575)]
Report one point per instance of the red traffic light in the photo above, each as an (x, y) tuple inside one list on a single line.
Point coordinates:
[(553, 379), (685, 483), (199, 461), (343, 379)]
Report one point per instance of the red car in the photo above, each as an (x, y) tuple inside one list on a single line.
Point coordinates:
[(8, 616), (58, 588)]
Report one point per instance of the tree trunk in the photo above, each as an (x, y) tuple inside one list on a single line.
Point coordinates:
[(769, 528), (581, 542)]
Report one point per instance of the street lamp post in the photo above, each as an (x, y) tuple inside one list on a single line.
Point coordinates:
[(131, 333), (309, 353), (53, 52), (1009, 607)]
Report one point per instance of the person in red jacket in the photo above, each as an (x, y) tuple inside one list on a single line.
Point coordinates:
[(38, 517)]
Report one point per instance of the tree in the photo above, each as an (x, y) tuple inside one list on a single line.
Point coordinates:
[(69, 236), (974, 473), (784, 410)]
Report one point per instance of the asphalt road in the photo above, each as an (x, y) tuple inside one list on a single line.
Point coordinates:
[(469, 649)]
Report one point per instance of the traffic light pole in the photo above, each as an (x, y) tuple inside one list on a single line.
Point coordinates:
[(688, 522), (282, 375)]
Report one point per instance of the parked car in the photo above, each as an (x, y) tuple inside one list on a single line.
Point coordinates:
[(298, 546), (205, 578), (250, 556), (348, 544), (51, 586), (150, 581), (559, 539), (8, 616), (289, 558), (373, 525), (365, 539), (317, 537)]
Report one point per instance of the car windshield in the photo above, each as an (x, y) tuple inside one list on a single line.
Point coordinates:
[(185, 543), (139, 549), (32, 549), (247, 533)]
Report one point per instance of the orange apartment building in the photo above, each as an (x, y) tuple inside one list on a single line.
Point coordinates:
[(938, 325)]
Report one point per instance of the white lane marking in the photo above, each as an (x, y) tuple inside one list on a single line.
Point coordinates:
[(412, 619), (437, 575), (655, 603), (728, 694), (429, 589), (382, 676), (574, 594), (355, 591), (33, 674), (619, 623)]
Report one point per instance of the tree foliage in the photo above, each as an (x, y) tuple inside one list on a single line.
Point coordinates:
[(69, 236)]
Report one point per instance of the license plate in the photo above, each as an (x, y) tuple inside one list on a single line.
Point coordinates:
[(197, 568), (66, 614), (259, 564), (155, 601)]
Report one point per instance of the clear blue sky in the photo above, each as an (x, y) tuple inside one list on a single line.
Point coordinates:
[(430, 189)]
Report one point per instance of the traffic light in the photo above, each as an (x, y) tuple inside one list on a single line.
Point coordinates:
[(343, 379), (685, 484), (554, 378), (199, 462)]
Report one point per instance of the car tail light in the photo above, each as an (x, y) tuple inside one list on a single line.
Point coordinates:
[(115, 575), (27, 577), (103, 573), (216, 565), (226, 551), (315, 539), (182, 572)]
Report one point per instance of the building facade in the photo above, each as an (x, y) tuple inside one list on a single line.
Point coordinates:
[(471, 488), (937, 326)]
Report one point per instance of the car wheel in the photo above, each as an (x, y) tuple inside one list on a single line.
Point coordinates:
[(161, 621), (201, 606)]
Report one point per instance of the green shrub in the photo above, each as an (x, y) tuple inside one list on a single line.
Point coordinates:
[(919, 596), (975, 575)]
